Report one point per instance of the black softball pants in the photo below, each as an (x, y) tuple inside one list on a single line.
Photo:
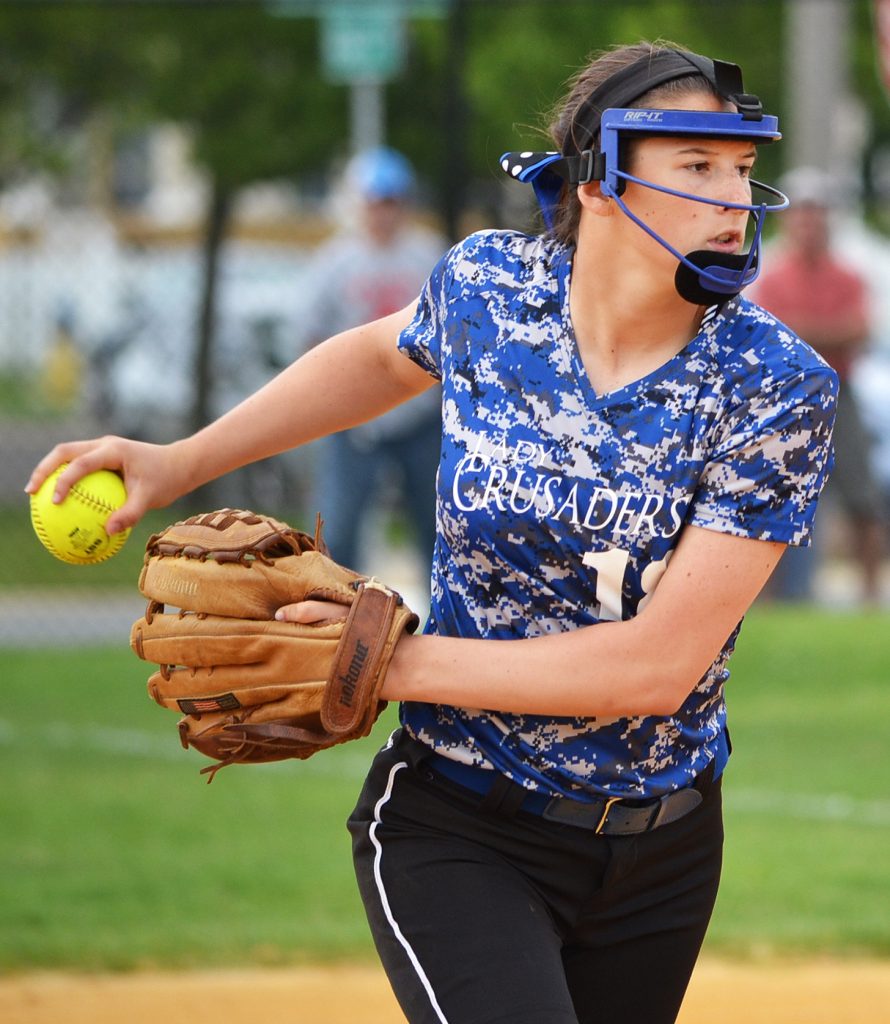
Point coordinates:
[(481, 919)]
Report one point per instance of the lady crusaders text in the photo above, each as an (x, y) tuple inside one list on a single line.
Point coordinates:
[(522, 479)]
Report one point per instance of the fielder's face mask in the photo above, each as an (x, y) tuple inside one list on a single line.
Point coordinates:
[(703, 277)]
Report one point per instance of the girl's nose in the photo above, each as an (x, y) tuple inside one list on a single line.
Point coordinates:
[(736, 190)]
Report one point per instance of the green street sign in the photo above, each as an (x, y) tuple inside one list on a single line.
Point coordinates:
[(362, 41)]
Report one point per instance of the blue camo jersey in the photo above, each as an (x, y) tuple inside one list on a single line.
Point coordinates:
[(560, 508)]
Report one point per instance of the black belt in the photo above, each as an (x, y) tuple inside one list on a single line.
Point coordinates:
[(611, 816)]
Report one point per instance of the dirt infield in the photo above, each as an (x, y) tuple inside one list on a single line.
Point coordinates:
[(827, 992)]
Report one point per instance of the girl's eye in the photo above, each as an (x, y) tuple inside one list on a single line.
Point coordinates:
[(745, 170), (699, 168)]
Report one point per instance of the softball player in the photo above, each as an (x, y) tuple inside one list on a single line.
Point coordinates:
[(628, 446)]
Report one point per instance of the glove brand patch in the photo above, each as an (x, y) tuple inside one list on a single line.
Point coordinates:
[(350, 680), (169, 583), (205, 705)]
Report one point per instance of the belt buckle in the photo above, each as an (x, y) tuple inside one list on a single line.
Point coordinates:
[(610, 802)]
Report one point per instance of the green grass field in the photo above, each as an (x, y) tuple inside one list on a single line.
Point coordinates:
[(115, 854), (25, 562)]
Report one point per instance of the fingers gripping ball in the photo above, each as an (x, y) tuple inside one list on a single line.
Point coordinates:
[(74, 530)]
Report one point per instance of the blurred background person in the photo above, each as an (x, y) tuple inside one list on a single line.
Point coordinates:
[(375, 265), (62, 379), (810, 286)]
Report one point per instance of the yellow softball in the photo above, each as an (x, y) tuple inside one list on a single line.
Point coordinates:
[(74, 530)]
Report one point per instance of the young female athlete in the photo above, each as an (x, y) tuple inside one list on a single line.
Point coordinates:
[(628, 446)]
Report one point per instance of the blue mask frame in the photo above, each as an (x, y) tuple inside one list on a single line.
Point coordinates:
[(715, 272), (703, 276)]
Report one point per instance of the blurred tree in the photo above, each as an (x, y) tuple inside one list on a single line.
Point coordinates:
[(56, 68), (867, 78), (249, 86), (245, 82)]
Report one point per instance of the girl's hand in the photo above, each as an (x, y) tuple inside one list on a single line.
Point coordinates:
[(154, 475), (313, 613)]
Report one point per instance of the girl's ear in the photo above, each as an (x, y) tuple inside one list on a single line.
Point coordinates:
[(591, 198)]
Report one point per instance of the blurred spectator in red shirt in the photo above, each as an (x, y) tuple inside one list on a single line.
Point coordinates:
[(808, 286)]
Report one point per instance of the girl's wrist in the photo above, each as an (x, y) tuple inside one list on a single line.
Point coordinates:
[(189, 467), (403, 674)]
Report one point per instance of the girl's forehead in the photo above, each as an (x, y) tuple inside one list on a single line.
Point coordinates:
[(700, 100)]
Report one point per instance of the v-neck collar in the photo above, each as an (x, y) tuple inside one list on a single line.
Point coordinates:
[(569, 341)]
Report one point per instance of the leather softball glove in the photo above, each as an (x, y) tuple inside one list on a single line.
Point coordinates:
[(253, 689)]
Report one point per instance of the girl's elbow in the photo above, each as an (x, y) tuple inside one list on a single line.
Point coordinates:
[(671, 692)]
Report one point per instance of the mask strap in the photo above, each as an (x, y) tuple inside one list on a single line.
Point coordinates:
[(549, 172)]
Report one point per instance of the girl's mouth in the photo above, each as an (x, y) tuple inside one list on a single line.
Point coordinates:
[(728, 242)]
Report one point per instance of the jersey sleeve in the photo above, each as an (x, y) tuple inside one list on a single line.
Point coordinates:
[(771, 459), (421, 340)]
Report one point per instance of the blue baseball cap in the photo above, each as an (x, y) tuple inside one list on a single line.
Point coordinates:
[(382, 173)]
